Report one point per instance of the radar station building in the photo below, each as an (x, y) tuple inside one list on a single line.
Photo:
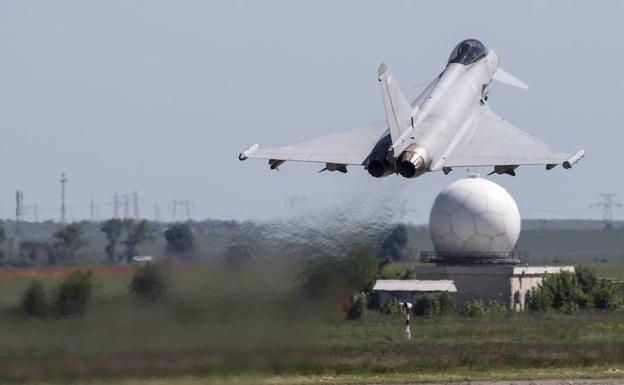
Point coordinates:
[(475, 226), (505, 284)]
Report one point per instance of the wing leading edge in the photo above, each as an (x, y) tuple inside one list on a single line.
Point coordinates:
[(495, 142), (347, 147)]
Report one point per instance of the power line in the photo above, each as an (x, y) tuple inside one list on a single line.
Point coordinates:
[(184, 204), (607, 204)]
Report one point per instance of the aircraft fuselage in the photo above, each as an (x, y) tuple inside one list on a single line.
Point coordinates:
[(446, 110)]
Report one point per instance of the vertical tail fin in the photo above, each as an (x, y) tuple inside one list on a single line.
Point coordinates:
[(398, 109)]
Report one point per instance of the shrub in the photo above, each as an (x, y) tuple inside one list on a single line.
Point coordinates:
[(474, 309), (423, 307), (33, 302), (570, 292), (496, 309), (148, 283), (393, 307), (434, 305), (356, 307), (538, 300), (74, 293), (605, 296), (444, 304), (586, 278)]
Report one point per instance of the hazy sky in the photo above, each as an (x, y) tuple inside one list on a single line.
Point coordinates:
[(160, 97)]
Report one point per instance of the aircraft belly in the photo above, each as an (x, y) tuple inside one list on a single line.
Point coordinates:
[(447, 123)]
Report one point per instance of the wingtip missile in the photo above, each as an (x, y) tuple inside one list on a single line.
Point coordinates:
[(245, 154), (383, 68), (574, 159)]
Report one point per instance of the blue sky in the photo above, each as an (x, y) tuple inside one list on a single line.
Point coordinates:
[(160, 97)]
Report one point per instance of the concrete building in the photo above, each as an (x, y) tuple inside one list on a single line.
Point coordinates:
[(505, 284), (409, 290)]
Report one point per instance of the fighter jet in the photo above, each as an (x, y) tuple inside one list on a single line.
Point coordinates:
[(448, 125)]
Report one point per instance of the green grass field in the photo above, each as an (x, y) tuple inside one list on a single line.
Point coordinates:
[(237, 327)]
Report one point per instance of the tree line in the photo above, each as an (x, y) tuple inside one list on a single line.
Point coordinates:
[(123, 239)]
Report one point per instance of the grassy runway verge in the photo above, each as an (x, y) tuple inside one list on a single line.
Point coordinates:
[(456, 376), (247, 327)]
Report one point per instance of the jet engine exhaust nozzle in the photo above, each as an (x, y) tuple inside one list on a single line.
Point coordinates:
[(413, 162), (379, 167)]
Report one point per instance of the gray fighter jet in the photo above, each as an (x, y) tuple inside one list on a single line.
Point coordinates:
[(448, 125)]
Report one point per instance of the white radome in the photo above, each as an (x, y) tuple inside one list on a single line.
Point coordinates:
[(474, 216)]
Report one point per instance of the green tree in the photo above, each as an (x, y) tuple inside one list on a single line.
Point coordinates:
[(74, 293), (569, 292), (112, 228), (67, 241), (137, 233), (33, 302), (356, 307), (36, 252), (394, 244), (3, 238), (148, 283), (180, 239), (238, 255)]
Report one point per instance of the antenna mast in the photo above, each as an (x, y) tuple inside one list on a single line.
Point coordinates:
[(63, 209)]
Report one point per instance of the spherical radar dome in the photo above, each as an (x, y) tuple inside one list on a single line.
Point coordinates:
[(474, 216)]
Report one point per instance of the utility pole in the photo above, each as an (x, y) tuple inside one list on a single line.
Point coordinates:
[(135, 204), (607, 203), (35, 209), (126, 204), (157, 213), (184, 204), (63, 212), (173, 206), (116, 206), (19, 213), (187, 208), (92, 211)]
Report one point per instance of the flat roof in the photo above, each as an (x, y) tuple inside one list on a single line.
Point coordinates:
[(537, 270), (506, 270), (415, 285)]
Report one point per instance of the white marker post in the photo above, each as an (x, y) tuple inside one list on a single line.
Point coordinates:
[(408, 333)]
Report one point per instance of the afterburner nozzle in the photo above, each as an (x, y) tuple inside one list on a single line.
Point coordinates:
[(413, 162)]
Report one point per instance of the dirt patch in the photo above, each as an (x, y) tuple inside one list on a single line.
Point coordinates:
[(46, 271)]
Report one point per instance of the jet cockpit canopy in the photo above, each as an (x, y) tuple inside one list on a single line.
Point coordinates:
[(468, 52)]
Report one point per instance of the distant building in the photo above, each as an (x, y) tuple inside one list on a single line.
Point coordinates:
[(505, 284), (142, 259), (409, 290)]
